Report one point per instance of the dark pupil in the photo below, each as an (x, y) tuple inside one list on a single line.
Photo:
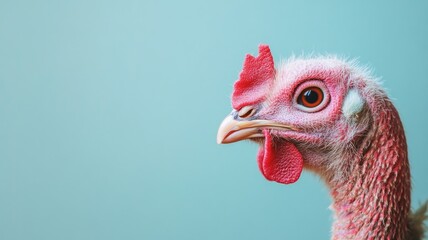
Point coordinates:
[(311, 96)]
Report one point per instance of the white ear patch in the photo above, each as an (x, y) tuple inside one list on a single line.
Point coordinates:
[(352, 104)]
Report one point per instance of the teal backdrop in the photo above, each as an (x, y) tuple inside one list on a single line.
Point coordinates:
[(109, 112)]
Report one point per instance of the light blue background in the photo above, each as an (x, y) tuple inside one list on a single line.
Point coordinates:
[(109, 112)]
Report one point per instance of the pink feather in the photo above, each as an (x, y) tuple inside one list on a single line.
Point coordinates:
[(353, 138)]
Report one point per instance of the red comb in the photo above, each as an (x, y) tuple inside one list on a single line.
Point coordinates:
[(254, 80)]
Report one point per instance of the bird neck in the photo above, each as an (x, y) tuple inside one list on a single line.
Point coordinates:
[(374, 201)]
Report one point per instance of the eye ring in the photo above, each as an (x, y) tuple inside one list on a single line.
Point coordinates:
[(311, 96)]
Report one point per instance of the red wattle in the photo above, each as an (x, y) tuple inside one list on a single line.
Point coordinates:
[(280, 162)]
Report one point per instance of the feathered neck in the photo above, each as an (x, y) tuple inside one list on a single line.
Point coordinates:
[(374, 201)]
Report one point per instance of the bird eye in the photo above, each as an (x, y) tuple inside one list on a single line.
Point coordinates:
[(310, 97)]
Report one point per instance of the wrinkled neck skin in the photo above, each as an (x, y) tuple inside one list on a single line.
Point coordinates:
[(372, 201)]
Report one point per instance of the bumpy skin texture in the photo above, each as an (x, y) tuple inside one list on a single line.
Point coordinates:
[(374, 201), (287, 171), (356, 143)]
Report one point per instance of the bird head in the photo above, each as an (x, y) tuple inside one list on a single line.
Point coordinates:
[(306, 113)]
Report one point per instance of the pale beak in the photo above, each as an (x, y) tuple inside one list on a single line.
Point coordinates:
[(231, 130)]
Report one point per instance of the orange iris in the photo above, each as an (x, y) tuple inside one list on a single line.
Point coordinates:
[(310, 97)]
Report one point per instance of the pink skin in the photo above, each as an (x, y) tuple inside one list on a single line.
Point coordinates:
[(363, 160), (374, 201)]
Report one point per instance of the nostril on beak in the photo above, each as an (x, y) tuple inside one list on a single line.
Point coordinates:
[(246, 112)]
